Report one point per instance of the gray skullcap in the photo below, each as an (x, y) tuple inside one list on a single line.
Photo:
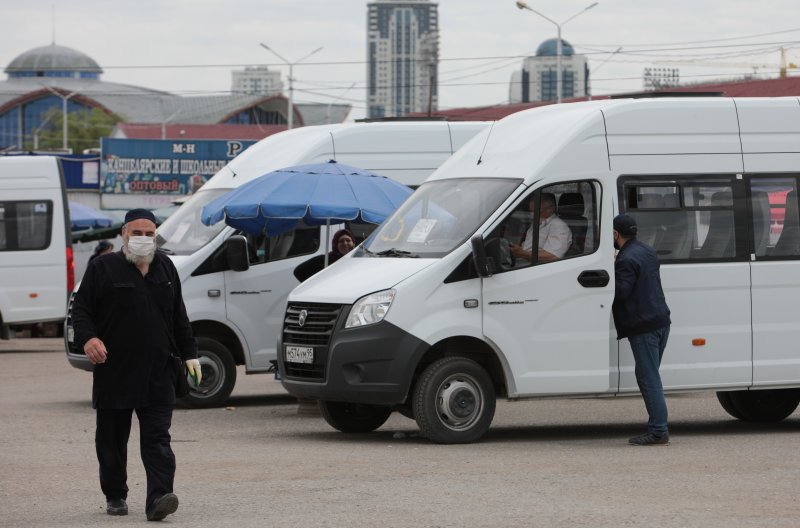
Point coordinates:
[(137, 214), (625, 225)]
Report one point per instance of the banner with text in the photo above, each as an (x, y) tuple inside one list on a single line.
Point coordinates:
[(163, 166)]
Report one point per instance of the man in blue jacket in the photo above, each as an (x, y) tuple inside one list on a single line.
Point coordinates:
[(641, 314)]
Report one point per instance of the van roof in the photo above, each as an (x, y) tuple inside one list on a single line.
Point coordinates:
[(556, 138), (29, 172)]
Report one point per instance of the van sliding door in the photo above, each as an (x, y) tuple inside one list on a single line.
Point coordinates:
[(697, 224)]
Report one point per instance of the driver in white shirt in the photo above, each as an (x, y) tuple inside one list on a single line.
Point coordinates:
[(555, 236)]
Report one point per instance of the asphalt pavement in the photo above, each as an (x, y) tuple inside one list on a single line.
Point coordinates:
[(257, 462)]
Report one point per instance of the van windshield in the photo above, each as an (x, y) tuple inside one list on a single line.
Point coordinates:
[(438, 217), (183, 233)]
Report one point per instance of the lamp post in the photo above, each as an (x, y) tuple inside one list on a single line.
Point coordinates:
[(64, 99), (523, 5), (290, 117)]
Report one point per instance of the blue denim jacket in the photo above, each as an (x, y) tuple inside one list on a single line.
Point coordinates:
[(639, 305)]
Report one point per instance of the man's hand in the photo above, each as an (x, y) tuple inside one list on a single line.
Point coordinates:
[(95, 350), (518, 252), (193, 366)]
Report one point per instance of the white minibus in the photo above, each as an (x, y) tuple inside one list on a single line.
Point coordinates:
[(36, 266), (437, 319), (234, 288)]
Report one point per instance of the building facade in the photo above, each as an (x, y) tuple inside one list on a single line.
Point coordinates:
[(56, 76), (537, 79), (402, 57), (256, 80)]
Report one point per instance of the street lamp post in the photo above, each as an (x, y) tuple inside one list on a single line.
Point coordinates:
[(290, 117), (64, 99), (523, 5)]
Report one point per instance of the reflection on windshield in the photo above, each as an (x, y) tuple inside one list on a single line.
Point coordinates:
[(438, 217), (183, 233)]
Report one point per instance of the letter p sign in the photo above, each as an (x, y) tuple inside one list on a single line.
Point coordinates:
[(234, 148)]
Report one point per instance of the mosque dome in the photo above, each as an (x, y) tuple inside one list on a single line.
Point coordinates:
[(53, 59), (549, 48)]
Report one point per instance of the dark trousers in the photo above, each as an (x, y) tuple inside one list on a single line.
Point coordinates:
[(111, 442)]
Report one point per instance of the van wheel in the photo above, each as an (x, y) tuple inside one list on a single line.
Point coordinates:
[(354, 417), (760, 405), (454, 401), (219, 375)]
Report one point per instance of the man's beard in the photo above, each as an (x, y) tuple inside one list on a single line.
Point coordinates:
[(137, 260)]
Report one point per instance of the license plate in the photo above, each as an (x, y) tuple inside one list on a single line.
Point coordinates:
[(296, 354), (70, 334)]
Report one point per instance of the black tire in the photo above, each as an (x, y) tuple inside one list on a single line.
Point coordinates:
[(760, 405), (354, 417), (727, 403), (219, 375), (454, 401)]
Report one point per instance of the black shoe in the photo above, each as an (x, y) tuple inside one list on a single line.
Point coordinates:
[(116, 507), (162, 506), (648, 439)]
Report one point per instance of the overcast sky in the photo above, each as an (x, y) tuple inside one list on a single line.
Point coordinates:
[(191, 46)]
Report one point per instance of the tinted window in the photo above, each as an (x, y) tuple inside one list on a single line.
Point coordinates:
[(774, 217), (683, 219), (25, 225)]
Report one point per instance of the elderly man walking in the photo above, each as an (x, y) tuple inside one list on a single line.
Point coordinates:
[(130, 320)]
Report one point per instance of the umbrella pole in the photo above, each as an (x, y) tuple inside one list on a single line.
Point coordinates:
[(327, 239)]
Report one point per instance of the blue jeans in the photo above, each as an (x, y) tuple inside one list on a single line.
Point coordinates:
[(647, 352)]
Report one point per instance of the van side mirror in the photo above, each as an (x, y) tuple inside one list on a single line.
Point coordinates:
[(479, 257), (236, 253)]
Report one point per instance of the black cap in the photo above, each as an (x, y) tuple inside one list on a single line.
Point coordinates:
[(625, 225), (137, 214)]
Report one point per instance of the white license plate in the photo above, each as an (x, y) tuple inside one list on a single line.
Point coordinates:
[(296, 354), (70, 334)]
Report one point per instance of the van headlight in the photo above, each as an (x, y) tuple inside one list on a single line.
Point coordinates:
[(370, 309)]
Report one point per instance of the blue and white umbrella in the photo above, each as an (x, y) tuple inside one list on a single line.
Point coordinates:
[(318, 194), (82, 217)]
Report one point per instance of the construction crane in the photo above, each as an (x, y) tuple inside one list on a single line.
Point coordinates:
[(783, 67)]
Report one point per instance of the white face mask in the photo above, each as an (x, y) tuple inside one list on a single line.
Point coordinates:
[(141, 246)]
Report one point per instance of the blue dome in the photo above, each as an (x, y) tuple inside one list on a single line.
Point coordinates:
[(53, 58), (548, 48)]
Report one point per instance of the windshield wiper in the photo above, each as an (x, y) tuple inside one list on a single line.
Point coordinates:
[(394, 252), (167, 251)]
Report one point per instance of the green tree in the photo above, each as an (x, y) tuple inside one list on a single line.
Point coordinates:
[(84, 129)]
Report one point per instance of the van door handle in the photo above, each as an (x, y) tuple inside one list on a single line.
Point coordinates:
[(593, 278)]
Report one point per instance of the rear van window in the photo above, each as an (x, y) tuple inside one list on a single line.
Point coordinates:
[(25, 225)]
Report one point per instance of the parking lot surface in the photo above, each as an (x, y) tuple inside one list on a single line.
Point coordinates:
[(258, 462)]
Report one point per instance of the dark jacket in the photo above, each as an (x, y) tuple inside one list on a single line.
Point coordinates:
[(141, 320), (639, 305)]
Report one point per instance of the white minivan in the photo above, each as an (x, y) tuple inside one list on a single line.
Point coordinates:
[(235, 292), (437, 319), (36, 266)]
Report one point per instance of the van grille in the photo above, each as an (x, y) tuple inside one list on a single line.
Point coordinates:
[(320, 321)]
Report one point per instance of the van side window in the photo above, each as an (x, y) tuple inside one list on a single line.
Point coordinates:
[(683, 219), (775, 222), (553, 223), (25, 225), (302, 240)]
